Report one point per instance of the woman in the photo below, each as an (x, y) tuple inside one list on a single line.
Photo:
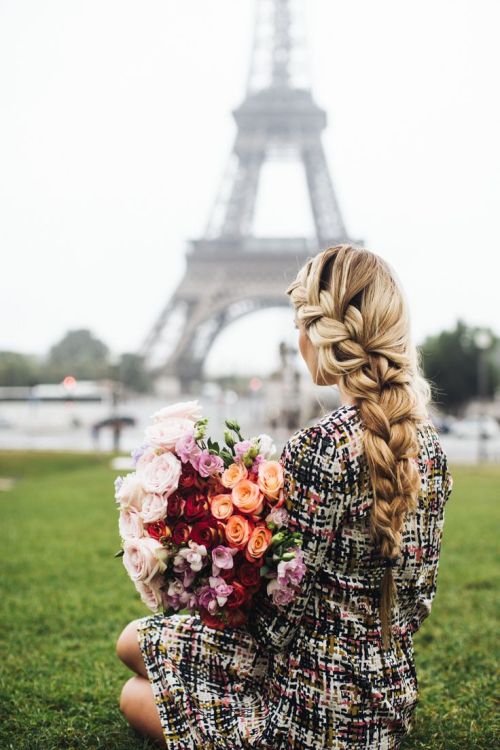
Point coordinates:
[(366, 485)]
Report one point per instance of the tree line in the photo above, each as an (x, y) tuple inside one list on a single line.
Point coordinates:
[(457, 367)]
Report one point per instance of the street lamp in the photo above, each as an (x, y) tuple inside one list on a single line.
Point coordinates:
[(482, 340)]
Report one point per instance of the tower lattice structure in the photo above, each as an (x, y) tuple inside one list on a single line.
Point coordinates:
[(229, 271)]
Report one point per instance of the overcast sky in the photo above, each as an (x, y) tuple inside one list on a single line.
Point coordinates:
[(115, 127)]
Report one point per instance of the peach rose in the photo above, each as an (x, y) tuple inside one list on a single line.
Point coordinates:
[(247, 497), (259, 541), (234, 474), (270, 477), (237, 530), (221, 506)]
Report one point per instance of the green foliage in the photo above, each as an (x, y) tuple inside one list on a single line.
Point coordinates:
[(65, 599), (78, 353), (450, 362), (18, 369)]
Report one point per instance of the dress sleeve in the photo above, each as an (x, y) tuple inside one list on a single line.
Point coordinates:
[(432, 549), (307, 460)]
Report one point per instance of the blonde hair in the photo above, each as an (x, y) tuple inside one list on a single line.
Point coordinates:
[(356, 315)]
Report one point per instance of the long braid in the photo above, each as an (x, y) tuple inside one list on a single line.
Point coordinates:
[(356, 316)]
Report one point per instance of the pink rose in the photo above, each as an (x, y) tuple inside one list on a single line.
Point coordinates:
[(242, 447), (129, 492), (144, 558), (161, 476), (183, 410), (130, 524), (281, 595), (278, 516), (209, 463), (220, 588), (187, 449), (222, 558), (154, 508), (291, 571), (166, 433), (150, 594)]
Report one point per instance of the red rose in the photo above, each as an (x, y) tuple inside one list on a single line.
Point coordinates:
[(237, 596), (196, 507), (236, 617), (188, 477), (249, 574), (252, 590), (181, 532), (175, 505), (210, 620), (228, 574), (157, 530), (205, 532)]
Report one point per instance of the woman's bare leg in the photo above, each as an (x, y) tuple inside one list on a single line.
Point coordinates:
[(129, 651), (138, 706)]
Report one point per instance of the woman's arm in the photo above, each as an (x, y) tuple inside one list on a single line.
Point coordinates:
[(310, 501), (428, 585)]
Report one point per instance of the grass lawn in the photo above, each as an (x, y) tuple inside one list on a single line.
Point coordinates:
[(65, 599)]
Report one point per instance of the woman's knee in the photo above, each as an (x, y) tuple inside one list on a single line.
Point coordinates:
[(128, 649), (138, 706)]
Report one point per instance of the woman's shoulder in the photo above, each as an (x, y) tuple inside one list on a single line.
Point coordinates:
[(327, 433)]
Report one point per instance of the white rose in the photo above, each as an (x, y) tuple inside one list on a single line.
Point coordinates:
[(267, 447), (154, 508), (148, 455), (150, 594), (165, 433), (130, 492), (130, 524), (183, 409), (144, 558), (161, 475)]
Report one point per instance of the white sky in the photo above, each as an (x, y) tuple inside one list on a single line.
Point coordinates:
[(115, 127)]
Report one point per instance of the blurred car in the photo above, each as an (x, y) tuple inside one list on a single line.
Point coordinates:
[(473, 427)]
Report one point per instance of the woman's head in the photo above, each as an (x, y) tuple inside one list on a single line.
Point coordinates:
[(355, 332)]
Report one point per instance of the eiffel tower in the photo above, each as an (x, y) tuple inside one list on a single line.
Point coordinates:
[(229, 271)]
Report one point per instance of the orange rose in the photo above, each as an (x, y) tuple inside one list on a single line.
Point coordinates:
[(270, 478), (247, 497), (238, 530), (221, 506), (234, 474), (259, 541)]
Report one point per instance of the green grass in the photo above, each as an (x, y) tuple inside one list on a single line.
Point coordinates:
[(65, 599)]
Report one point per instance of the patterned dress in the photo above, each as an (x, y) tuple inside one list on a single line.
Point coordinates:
[(311, 674)]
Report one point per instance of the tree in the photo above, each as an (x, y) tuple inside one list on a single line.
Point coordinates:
[(450, 362), (80, 354), (18, 369)]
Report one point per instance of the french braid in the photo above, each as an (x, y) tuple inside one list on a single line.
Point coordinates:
[(356, 316)]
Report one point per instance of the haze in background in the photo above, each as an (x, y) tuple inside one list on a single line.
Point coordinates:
[(115, 126)]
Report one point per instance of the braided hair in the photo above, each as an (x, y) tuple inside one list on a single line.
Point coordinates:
[(356, 316)]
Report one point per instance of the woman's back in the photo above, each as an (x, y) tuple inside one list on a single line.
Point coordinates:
[(329, 676)]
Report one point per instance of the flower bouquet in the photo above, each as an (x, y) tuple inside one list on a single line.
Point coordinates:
[(203, 527)]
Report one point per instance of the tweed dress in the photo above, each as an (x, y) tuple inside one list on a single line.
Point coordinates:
[(311, 674)]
